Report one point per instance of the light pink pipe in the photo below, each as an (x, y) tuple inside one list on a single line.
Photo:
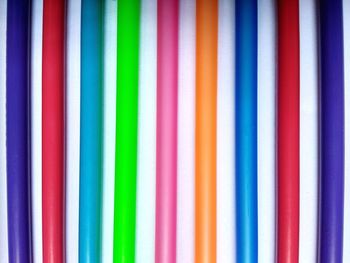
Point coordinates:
[(167, 89)]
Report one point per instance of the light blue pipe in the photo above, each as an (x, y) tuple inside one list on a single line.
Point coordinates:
[(91, 123), (246, 131)]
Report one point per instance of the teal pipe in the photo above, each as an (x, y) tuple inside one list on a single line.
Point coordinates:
[(91, 117)]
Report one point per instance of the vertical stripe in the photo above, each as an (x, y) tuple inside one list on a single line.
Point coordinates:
[(36, 128), (18, 130), (53, 103), (91, 124), (246, 131), (146, 155), (331, 132), (167, 69), (3, 191), (226, 205), (72, 130), (346, 23), (266, 129), (186, 131), (205, 152), (128, 34), (308, 132), (109, 106), (288, 131)]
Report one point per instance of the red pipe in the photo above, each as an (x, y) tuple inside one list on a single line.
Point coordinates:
[(288, 132), (53, 86)]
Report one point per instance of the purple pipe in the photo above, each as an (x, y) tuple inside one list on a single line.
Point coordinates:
[(17, 130), (331, 132)]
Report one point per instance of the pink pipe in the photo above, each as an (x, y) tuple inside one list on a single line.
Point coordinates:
[(167, 89)]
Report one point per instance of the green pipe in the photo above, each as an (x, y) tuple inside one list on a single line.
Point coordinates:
[(128, 32)]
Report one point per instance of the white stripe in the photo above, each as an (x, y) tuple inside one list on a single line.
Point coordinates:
[(110, 60), (36, 125), (146, 166), (308, 132), (72, 130), (186, 130), (266, 130), (3, 186), (226, 226), (346, 19)]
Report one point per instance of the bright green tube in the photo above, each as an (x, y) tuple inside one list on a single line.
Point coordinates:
[(126, 140)]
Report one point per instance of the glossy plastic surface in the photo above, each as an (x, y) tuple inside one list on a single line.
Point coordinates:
[(331, 132), (246, 131), (91, 114)]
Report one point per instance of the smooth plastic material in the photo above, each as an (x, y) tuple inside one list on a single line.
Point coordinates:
[(18, 130), (128, 33), (246, 131), (90, 207), (53, 103), (167, 93), (331, 132), (205, 152), (288, 131)]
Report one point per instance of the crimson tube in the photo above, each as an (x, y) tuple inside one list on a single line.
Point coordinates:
[(53, 86), (288, 132)]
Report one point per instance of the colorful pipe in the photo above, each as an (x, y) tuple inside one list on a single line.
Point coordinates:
[(53, 86), (288, 131), (331, 132), (246, 131), (128, 34), (167, 91), (90, 208), (18, 130), (205, 134)]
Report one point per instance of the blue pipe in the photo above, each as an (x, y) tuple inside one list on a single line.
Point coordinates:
[(246, 131)]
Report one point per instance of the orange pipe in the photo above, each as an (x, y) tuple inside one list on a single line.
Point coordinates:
[(206, 92)]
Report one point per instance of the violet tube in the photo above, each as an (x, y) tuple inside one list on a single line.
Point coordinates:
[(331, 132), (17, 130)]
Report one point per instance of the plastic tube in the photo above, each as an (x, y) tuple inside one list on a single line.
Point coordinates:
[(53, 92), (167, 92), (18, 130), (128, 34), (91, 124), (246, 131), (331, 132), (205, 141), (288, 131)]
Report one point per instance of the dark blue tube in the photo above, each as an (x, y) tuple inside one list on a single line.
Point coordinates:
[(246, 131), (17, 130), (331, 132)]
